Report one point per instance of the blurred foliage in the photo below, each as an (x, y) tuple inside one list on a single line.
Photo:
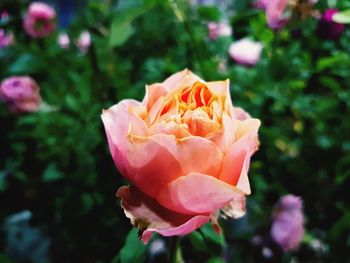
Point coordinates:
[(57, 164)]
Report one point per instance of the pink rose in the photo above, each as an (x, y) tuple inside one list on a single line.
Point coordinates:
[(327, 28), (287, 229), (84, 41), (5, 39), (63, 40), (39, 20), (219, 29), (185, 153), (261, 3), (20, 93), (246, 51), (275, 13)]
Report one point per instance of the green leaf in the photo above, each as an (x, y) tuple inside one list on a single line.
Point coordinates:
[(121, 28), (133, 251), (120, 33), (26, 64), (216, 260), (342, 17), (51, 173)]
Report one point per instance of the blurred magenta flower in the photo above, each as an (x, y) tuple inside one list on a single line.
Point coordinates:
[(4, 16), (63, 40), (40, 20), (246, 51), (5, 39), (327, 28), (84, 41), (20, 93), (288, 225), (219, 29)]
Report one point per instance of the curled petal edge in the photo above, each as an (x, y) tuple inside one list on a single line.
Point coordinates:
[(148, 216)]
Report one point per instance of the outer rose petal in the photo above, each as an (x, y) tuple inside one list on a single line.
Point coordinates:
[(149, 216), (237, 158), (198, 193), (150, 165), (240, 114), (116, 123), (194, 154)]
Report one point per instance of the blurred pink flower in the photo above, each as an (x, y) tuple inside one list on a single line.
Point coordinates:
[(327, 28), (275, 13), (39, 20), (20, 93), (5, 40), (288, 225), (63, 40), (219, 29), (84, 41), (261, 3), (246, 51)]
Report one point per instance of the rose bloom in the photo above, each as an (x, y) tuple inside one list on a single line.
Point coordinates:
[(327, 28), (20, 93), (287, 229), (5, 39), (84, 41), (39, 20), (63, 40), (219, 29), (186, 153), (245, 51)]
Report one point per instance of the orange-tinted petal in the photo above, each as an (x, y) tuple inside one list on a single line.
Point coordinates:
[(150, 165), (237, 160), (147, 215), (116, 123), (194, 154), (197, 193)]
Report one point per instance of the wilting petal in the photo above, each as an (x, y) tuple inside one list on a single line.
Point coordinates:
[(147, 215), (237, 160), (116, 123), (150, 165), (194, 154), (197, 193)]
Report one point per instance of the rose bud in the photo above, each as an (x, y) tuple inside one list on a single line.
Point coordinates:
[(39, 20), (63, 40), (219, 29), (185, 153), (246, 51), (84, 41), (288, 223), (327, 28), (20, 93), (5, 39)]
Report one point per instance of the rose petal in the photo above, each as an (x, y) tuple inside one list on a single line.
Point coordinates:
[(153, 93), (149, 216), (237, 159), (194, 154), (197, 193), (116, 123), (150, 165), (181, 79)]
